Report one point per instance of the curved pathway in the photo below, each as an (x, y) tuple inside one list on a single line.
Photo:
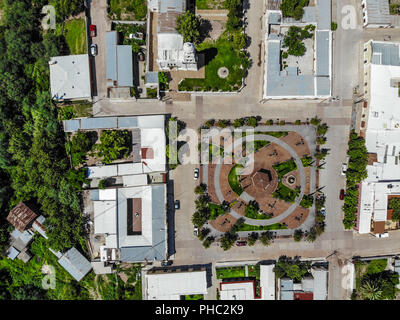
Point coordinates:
[(300, 167)]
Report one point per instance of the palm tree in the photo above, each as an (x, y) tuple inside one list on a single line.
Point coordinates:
[(370, 291)]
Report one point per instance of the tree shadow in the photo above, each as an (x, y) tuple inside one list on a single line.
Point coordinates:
[(205, 29), (209, 55)]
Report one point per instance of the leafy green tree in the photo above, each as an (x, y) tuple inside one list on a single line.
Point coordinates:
[(322, 129), (376, 266), (114, 144), (315, 121), (66, 8), (200, 189), (298, 235), (228, 240), (266, 238), (292, 268), (307, 201), (188, 25), (252, 239), (370, 291), (394, 203)]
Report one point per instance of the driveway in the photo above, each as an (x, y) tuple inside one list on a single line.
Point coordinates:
[(98, 15)]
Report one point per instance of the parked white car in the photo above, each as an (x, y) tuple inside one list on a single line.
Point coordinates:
[(344, 169), (196, 173), (382, 235)]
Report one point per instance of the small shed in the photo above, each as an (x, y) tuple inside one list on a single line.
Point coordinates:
[(75, 264)]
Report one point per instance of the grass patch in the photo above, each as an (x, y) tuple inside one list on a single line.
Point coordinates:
[(254, 146), (285, 193), (219, 54), (252, 213), (75, 35), (285, 167), (127, 10), (254, 271), (230, 272), (234, 179), (210, 4), (276, 134), (78, 110), (215, 151), (248, 227), (215, 211), (194, 297)]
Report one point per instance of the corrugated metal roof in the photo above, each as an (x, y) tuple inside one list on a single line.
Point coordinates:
[(12, 253), (172, 6), (71, 125), (323, 86), (127, 122), (286, 284), (99, 123), (309, 15), (125, 66), (287, 295), (378, 11), (320, 284), (75, 264), (111, 55), (274, 18), (151, 77), (323, 53), (158, 249), (386, 53), (324, 18)]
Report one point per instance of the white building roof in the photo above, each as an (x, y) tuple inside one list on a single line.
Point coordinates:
[(170, 286), (267, 282), (135, 180), (237, 290), (70, 77), (105, 217), (382, 135)]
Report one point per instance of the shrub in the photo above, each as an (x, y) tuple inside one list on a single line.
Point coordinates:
[(315, 121), (266, 238), (285, 55), (114, 144), (307, 201), (188, 25), (298, 235), (322, 129), (334, 26), (252, 238), (298, 122)]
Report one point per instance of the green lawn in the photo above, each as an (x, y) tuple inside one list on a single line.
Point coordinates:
[(254, 271), (230, 272), (285, 167), (217, 55), (276, 134), (234, 179), (75, 35), (248, 227), (285, 193), (210, 4), (253, 148), (215, 211), (252, 213), (194, 297), (127, 10), (215, 151)]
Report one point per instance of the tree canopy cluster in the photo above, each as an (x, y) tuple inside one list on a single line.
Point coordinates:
[(32, 142), (356, 172), (294, 39), (293, 8), (292, 268)]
